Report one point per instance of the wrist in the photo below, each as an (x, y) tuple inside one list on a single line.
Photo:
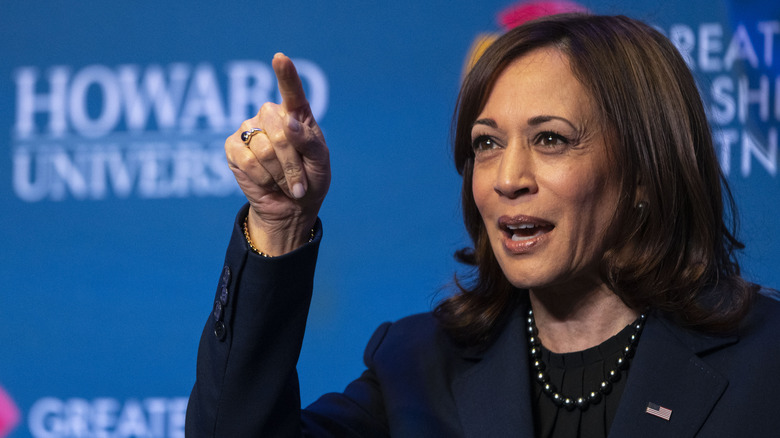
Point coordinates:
[(272, 241)]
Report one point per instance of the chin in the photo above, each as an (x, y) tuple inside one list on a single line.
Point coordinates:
[(525, 284), (524, 278)]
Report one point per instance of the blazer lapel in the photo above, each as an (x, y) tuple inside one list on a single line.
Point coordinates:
[(668, 372), (492, 390)]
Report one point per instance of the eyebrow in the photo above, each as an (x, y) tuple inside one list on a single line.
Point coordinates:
[(533, 121), (488, 122), (538, 120)]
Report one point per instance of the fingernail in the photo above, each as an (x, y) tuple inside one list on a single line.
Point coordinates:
[(298, 191), (293, 124)]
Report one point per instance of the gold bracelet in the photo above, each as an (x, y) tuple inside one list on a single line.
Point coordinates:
[(257, 251)]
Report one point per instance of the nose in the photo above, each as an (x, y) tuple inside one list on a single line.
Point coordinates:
[(515, 175)]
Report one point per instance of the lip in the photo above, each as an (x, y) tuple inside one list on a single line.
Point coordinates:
[(526, 245)]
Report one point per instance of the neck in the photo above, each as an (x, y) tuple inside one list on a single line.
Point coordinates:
[(578, 318)]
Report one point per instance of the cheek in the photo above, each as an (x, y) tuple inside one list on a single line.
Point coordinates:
[(580, 184), (591, 201)]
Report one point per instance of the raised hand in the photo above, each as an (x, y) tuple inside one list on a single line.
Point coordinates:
[(284, 170)]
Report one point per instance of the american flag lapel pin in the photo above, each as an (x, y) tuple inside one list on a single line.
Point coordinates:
[(659, 411)]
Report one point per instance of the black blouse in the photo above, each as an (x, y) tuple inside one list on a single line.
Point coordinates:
[(577, 374)]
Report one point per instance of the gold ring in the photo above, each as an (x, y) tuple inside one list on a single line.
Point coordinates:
[(246, 136)]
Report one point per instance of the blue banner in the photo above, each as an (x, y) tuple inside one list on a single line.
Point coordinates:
[(117, 203)]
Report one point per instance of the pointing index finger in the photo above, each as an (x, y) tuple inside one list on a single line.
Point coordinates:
[(290, 87)]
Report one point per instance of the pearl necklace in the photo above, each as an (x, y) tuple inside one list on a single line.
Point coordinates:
[(597, 394)]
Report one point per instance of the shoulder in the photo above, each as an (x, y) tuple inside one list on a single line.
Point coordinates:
[(415, 337), (420, 328), (768, 293), (764, 317), (747, 363), (756, 337)]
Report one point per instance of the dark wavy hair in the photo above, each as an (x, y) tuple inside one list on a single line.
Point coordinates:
[(678, 255)]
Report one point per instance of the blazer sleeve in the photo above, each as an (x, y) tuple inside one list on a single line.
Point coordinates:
[(246, 382)]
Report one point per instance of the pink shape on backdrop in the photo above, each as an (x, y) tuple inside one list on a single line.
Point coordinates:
[(9, 414), (518, 14)]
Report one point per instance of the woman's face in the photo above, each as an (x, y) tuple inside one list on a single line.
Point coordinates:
[(542, 180)]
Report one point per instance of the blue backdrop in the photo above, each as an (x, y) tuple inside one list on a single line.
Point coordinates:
[(117, 205)]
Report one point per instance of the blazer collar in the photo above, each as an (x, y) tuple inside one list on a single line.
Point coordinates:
[(492, 391), (668, 371)]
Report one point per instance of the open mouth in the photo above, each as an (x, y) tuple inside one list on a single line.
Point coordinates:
[(519, 231)]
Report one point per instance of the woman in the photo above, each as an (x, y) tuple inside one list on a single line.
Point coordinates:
[(606, 298)]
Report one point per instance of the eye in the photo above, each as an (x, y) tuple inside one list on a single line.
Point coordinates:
[(551, 139), (483, 143)]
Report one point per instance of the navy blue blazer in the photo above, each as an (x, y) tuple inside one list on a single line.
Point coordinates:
[(419, 384)]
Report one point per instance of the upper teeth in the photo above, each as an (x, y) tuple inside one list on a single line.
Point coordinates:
[(520, 226)]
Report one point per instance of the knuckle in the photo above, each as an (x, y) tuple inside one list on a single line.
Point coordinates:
[(277, 137), (246, 125), (265, 153), (267, 181), (234, 142), (266, 109), (280, 180), (245, 163), (292, 169)]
